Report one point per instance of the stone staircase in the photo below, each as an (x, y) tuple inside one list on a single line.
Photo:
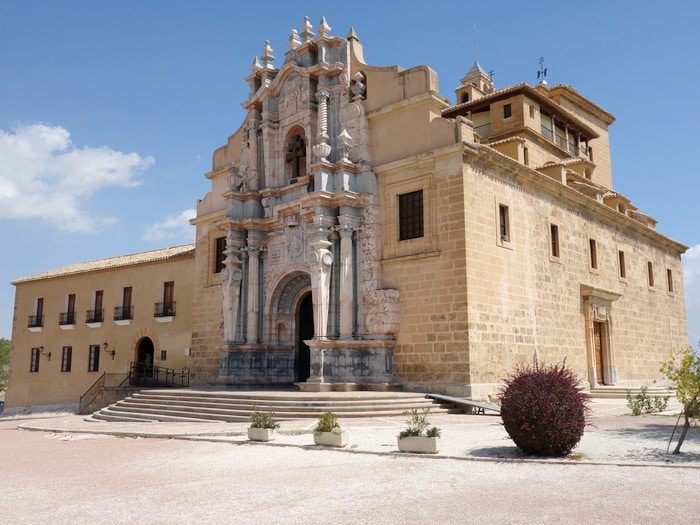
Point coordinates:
[(217, 406), (620, 392)]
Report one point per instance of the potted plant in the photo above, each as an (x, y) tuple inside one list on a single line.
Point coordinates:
[(262, 426), (328, 431), (418, 437)]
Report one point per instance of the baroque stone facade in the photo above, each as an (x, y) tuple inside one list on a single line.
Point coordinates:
[(307, 193)]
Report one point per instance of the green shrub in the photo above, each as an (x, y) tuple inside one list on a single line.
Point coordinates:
[(642, 403), (417, 421), (263, 420), (328, 422)]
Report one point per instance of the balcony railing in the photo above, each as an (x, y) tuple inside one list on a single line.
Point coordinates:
[(36, 321), (94, 316), (123, 313), (66, 318), (164, 309)]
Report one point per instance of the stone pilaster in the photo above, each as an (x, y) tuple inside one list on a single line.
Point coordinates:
[(320, 262), (253, 293), (231, 277), (347, 276)]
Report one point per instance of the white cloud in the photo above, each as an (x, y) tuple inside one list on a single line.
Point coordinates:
[(43, 175), (691, 280), (175, 227)]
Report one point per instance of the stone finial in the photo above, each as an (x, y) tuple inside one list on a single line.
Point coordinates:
[(344, 145), (358, 86), (268, 57), (294, 40), (255, 66), (352, 35), (323, 28), (306, 30)]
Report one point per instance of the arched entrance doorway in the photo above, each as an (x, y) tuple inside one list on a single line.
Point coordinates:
[(145, 351), (305, 331)]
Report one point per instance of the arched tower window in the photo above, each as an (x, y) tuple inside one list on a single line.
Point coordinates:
[(295, 154)]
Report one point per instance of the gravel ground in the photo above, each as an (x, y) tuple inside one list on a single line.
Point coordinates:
[(96, 479)]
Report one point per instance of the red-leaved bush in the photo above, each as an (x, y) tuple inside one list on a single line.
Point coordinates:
[(543, 409)]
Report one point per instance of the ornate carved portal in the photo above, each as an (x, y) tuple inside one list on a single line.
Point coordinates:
[(598, 320)]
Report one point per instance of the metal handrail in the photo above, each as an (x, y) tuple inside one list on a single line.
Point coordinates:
[(123, 313), (65, 318), (98, 386), (142, 374), (94, 316), (164, 309), (36, 321)]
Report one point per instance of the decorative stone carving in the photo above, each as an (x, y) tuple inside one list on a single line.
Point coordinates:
[(322, 148), (358, 87), (344, 145), (235, 180), (383, 308), (253, 292), (295, 243), (294, 40), (600, 313), (324, 30), (231, 277), (306, 30), (347, 277), (320, 261)]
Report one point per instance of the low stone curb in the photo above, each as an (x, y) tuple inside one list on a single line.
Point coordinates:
[(225, 438)]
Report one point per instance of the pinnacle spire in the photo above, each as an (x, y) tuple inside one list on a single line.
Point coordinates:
[(306, 30), (352, 35), (323, 28)]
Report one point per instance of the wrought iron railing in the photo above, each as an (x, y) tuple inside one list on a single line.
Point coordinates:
[(123, 313), (104, 381), (166, 309), (36, 321), (65, 318), (143, 374), (94, 316)]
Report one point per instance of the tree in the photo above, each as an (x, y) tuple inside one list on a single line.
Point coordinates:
[(683, 370), (5, 345)]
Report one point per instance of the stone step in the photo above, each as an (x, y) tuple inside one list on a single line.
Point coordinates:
[(324, 406), (249, 409), (111, 415), (286, 396), (238, 415), (620, 392), (148, 415), (283, 400)]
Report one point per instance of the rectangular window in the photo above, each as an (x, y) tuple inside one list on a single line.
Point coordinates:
[(67, 358), (94, 358), (411, 215), (594, 253), (546, 126), (590, 153), (573, 143), (503, 223), (554, 239), (39, 307), (507, 111), (34, 363), (621, 259), (669, 279), (163, 355), (560, 136), (650, 273), (526, 156), (219, 255), (126, 303), (532, 111)]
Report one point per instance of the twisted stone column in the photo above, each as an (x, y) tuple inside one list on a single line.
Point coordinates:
[(322, 148)]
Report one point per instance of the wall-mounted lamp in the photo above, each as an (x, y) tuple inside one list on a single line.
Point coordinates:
[(110, 352), (43, 352)]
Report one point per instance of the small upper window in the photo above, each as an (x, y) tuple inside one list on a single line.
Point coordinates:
[(621, 259), (411, 215), (669, 279), (465, 97), (650, 273), (34, 363), (507, 111), (219, 254), (526, 156), (554, 239), (503, 223), (593, 248)]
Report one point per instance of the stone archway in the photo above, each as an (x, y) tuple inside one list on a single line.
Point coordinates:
[(144, 352), (290, 319)]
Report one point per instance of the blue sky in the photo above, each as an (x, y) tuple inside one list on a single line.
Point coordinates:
[(117, 106)]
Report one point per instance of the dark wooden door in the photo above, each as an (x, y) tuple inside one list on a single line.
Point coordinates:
[(98, 301), (39, 307), (168, 292), (598, 347)]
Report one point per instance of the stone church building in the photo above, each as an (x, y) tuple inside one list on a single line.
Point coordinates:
[(364, 232)]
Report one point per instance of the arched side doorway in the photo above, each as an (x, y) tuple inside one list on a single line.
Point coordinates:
[(145, 351), (305, 331), (290, 319)]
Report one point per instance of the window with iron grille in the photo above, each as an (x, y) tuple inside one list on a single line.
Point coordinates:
[(554, 239), (34, 363), (94, 358), (219, 255), (67, 359), (593, 249), (623, 270), (650, 273), (411, 215), (503, 223), (163, 355), (669, 279)]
